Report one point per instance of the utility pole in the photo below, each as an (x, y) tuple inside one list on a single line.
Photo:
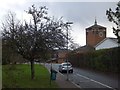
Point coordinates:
[(67, 27), (118, 38)]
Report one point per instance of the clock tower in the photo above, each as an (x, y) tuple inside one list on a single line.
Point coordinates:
[(95, 34)]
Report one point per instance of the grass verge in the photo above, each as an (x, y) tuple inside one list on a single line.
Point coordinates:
[(19, 76)]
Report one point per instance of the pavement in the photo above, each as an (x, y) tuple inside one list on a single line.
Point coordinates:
[(62, 82)]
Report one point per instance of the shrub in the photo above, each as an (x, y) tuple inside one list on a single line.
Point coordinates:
[(106, 60)]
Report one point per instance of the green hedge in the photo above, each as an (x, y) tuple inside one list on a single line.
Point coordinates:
[(106, 60)]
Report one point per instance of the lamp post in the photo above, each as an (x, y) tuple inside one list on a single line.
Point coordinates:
[(118, 38), (67, 25)]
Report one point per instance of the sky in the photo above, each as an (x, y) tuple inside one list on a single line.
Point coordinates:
[(81, 13)]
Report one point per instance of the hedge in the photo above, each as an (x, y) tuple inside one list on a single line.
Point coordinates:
[(106, 60)]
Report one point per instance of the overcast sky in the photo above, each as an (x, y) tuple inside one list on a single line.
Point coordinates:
[(82, 14)]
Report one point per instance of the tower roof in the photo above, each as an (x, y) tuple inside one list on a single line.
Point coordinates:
[(95, 26), (95, 22)]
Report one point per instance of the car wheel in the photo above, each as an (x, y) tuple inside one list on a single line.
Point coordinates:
[(71, 71)]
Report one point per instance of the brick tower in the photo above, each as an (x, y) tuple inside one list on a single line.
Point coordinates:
[(95, 34)]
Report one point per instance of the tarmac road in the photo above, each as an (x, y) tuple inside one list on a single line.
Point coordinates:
[(90, 79)]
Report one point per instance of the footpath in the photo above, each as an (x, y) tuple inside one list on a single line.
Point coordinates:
[(62, 82)]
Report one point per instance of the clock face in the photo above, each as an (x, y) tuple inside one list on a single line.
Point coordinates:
[(101, 34)]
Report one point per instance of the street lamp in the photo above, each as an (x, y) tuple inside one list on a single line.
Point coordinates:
[(67, 25), (119, 33), (118, 38)]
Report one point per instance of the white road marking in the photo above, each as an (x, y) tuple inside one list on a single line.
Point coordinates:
[(76, 84), (96, 81), (60, 73)]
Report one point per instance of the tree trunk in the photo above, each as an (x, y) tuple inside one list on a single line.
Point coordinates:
[(32, 69)]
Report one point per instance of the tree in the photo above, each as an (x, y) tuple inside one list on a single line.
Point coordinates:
[(8, 47), (114, 16), (74, 46), (34, 40)]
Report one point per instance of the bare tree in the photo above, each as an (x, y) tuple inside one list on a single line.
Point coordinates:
[(35, 40), (74, 46), (9, 26)]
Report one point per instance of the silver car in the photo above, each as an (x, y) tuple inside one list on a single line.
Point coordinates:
[(65, 66)]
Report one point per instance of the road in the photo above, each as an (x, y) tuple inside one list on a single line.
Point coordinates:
[(90, 79)]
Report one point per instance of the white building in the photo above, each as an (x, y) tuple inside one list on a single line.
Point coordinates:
[(107, 43)]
